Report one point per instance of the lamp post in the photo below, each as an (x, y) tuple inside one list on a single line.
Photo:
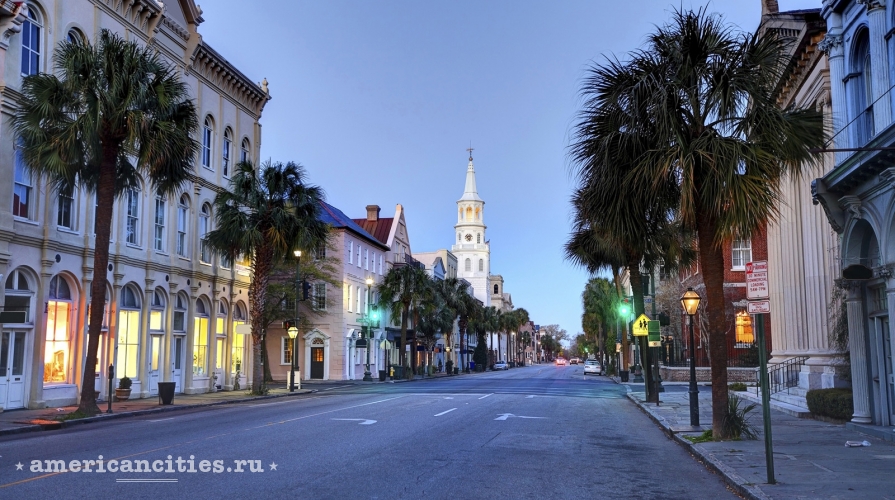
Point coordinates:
[(690, 301), (293, 330), (293, 333), (367, 333)]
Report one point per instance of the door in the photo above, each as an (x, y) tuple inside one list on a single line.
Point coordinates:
[(12, 370), (317, 362), (177, 363), (219, 364), (888, 380), (155, 355)]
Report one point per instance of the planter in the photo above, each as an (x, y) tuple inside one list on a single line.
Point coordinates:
[(122, 394), (623, 375), (382, 374), (166, 392)]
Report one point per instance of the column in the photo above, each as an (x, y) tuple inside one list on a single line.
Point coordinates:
[(190, 335), (145, 347), (166, 364), (832, 45), (879, 60), (857, 346), (212, 348)]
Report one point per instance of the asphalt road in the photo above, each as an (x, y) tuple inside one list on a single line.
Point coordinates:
[(535, 432)]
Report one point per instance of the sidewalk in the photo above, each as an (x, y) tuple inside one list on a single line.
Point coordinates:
[(810, 456)]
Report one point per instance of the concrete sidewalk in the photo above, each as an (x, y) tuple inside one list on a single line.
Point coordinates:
[(811, 459)]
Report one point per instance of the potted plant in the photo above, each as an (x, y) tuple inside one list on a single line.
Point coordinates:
[(449, 365), (123, 392)]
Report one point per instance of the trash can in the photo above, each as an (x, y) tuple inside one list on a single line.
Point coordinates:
[(382, 374), (623, 374), (166, 393)]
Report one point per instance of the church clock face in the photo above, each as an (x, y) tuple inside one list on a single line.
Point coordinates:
[(468, 237)]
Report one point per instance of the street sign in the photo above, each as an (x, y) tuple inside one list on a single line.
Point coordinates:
[(759, 307), (757, 280), (647, 300), (641, 326), (655, 338)]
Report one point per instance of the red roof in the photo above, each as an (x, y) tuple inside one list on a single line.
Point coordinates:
[(378, 228)]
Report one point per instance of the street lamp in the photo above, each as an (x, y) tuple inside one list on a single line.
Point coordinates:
[(368, 335), (293, 334), (690, 301)]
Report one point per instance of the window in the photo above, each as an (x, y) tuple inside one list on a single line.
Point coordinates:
[(458, 237), (380, 265), (157, 312), (65, 202), (244, 151), (358, 300), (744, 336), (495, 290), (206, 143), (183, 209), (58, 351), (204, 221), (237, 352), (21, 195), (286, 351), (858, 85), (481, 264), (478, 213), (200, 339), (31, 44), (319, 299), (358, 255), (468, 266), (320, 252), (18, 294), (74, 36), (350, 297), (159, 235), (366, 259), (478, 237), (225, 153), (180, 313), (132, 199), (128, 333), (741, 253), (351, 252), (220, 331)]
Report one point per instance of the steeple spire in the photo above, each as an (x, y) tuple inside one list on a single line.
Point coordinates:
[(470, 193)]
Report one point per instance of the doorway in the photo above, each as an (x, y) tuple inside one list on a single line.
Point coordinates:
[(12, 370), (155, 355), (177, 363), (317, 362)]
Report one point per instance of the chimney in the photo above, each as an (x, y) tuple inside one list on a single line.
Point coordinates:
[(372, 213), (769, 7)]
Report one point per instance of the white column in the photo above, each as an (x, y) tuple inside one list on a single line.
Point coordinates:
[(857, 347), (879, 60), (832, 45)]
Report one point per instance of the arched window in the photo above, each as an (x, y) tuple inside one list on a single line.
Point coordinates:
[(244, 150), (180, 313), (206, 142), (74, 35), (468, 213), (31, 43), (478, 213), (200, 339), (128, 333), (859, 84), (18, 294), (495, 290), (468, 265), (57, 353), (481, 264), (157, 313), (237, 352), (204, 226), (225, 153), (183, 210)]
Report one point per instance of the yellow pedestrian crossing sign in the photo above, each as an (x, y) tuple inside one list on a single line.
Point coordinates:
[(641, 326)]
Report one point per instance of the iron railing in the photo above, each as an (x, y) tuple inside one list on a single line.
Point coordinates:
[(785, 375)]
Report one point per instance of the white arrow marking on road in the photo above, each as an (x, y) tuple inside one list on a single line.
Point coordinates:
[(505, 416), (442, 413), (363, 421), (486, 395)]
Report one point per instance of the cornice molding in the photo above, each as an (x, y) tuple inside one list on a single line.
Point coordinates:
[(142, 14), (207, 63), (12, 15)]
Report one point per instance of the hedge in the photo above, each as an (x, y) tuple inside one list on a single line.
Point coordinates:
[(833, 403)]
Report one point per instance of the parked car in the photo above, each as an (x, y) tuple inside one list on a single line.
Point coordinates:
[(560, 361), (501, 365), (574, 361), (593, 366)]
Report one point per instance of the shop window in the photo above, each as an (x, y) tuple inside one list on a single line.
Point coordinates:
[(220, 331), (18, 294), (157, 313), (57, 352), (744, 335), (128, 334), (237, 352), (200, 339)]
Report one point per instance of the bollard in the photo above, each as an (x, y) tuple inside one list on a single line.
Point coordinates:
[(111, 379)]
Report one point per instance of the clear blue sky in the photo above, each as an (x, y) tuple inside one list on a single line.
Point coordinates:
[(380, 99)]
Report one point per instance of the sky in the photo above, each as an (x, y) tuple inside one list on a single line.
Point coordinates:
[(379, 101)]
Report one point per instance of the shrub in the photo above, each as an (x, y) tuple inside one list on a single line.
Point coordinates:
[(124, 383), (833, 403), (736, 423), (737, 386), (449, 365)]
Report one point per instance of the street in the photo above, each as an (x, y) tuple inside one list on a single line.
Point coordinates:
[(534, 432)]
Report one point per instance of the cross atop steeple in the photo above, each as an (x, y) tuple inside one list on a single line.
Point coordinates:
[(470, 148)]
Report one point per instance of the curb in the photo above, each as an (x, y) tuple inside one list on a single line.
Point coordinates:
[(163, 409), (737, 483)]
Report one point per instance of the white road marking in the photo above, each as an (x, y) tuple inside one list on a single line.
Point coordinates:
[(529, 397), (161, 419), (486, 395), (363, 421), (337, 387), (325, 412), (448, 398), (286, 401), (442, 413), (505, 416)]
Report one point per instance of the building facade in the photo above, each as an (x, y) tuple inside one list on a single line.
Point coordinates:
[(856, 194), (173, 307)]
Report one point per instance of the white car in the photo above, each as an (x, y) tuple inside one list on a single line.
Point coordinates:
[(501, 365), (592, 366)]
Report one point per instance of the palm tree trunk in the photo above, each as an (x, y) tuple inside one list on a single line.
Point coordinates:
[(405, 341), (711, 260), (491, 359), (498, 347), (105, 199), (624, 331), (262, 265), (463, 354)]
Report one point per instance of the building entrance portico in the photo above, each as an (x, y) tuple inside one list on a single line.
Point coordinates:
[(317, 355)]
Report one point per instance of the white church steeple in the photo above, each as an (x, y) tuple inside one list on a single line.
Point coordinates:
[(473, 251)]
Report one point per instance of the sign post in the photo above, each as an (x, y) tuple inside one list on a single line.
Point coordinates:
[(759, 305)]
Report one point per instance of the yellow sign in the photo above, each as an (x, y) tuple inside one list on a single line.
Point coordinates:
[(641, 326)]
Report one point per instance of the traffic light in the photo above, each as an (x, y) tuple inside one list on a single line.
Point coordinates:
[(624, 307), (288, 324), (305, 290), (374, 313)]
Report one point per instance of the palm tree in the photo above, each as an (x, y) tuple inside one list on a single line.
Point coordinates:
[(402, 290), (489, 323), (111, 116), (706, 94), (520, 319), (267, 214), (435, 317), (456, 295)]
